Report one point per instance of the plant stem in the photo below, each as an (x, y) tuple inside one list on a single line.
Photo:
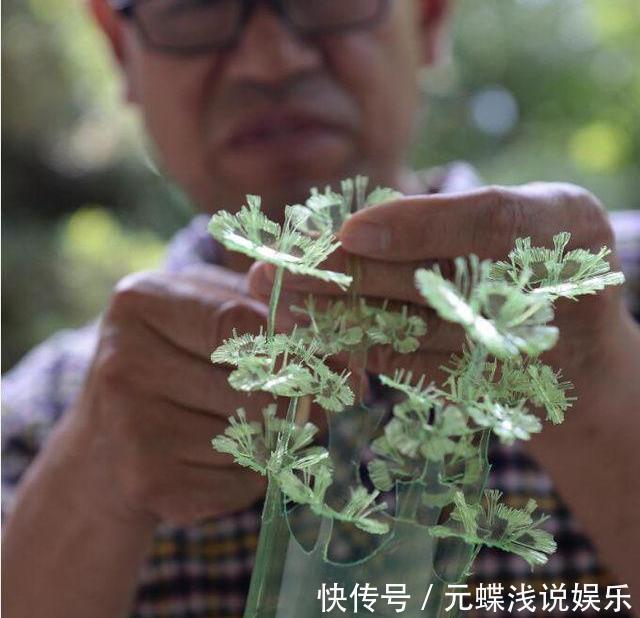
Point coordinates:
[(409, 501), (273, 544), (273, 301), (283, 437), (358, 356)]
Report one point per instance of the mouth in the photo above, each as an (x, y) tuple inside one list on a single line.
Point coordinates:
[(281, 130)]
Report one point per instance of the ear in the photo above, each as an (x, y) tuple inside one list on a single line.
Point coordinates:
[(112, 25), (434, 16)]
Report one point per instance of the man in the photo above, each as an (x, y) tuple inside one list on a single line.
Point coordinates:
[(273, 98)]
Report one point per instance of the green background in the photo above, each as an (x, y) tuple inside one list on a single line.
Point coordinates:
[(533, 90)]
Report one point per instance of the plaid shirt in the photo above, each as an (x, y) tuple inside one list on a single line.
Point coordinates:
[(205, 570)]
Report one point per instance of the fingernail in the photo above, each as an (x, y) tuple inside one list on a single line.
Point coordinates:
[(366, 238)]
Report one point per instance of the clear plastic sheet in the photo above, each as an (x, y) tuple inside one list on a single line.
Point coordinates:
[(300, 551)]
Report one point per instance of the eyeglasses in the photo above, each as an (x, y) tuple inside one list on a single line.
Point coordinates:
[(197, 26)]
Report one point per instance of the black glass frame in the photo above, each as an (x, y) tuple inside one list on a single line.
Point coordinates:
[(127, 8)]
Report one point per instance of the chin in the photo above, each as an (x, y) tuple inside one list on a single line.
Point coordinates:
[(286, 185), (284, 175)]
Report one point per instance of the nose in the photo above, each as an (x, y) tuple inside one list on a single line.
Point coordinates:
[(269, 52)]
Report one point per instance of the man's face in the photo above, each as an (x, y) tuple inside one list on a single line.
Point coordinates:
[(278, 113)]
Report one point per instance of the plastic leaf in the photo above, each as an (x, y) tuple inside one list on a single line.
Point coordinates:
[(418, 397), (331, 390), (322, 212), (327, 211), (341, 328), (251, 233), (424, 428), (241, 439), (380, 475), (497, 525), (252, 444), (251, 374), (548, 392), (295, 489), (520, 380), (501, 317), (240, 347), (390, 464), (360, 507), (509, 423), (311, 490), (381, 195), (397, 329), (554, 272), (285, 366), (332, 330)]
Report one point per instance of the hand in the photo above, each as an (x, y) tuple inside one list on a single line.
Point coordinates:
[(393, 240), (152, 402)]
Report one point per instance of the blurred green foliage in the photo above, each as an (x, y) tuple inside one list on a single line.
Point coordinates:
[(533, 90), (566, 71)]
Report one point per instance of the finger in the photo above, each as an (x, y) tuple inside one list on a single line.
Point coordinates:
[(194, 493), (179, 434), (376, 279), (193, 316), (197, 385), (485, 222), (215, 277), (262, 275), (136, 357)]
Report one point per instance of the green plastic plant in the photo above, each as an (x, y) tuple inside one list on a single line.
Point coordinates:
[(495, 386), (496, 525)]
